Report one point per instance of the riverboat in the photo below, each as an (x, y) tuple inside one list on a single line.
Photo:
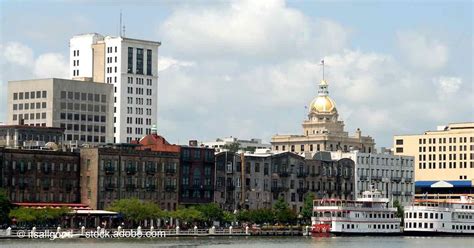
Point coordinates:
[(446, 216), (369, 215)]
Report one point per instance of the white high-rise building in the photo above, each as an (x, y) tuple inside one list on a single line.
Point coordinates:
[(130, 65)]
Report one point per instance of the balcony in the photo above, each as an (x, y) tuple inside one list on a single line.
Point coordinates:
[(150, 170), (347, 175), (396, 179), (109, 169), (408, 193), (170, 188), (230, 187), (408, 179), (109, 186), (302, 190), (130, 170), (46, 170), (46, 186), (283, 174), (314, 174), (170, 171), (301, 174), (22, 169), (363, 178), (130, 187), (23, 185), (376, 178), (396, 193), (68, 187), (278, 189), (150, 187)]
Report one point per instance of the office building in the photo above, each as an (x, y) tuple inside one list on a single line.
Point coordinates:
[(444, 159), (131, 66), (83, 109)]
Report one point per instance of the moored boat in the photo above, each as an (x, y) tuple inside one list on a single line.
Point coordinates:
[(434, 217), (369, 215)]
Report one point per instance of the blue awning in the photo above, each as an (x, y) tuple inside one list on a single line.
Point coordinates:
[(447, 184)]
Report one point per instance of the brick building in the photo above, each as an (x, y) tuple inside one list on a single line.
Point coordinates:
[(196, 175), (121, 171), (40, 176)]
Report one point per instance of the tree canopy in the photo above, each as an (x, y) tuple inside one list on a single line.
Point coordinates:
[(136, 210)]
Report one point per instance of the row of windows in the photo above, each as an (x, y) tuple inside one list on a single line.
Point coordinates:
[(31, 116), (75, 62), (383, 161), (83, 128), (85, 138), (442, 165), (83, 107), (45, 166), (441, 157), (443, 148), (443, 140), (26, 106), (29, 95), (423, 215), (83, 117), (75, 72), (75, 53), (196, 194), (83, 96)]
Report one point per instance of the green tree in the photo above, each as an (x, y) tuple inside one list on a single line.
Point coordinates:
[(243, 216), (261, 216), (5, 206), (283, 213), (32, 215), (135, 210), (307, 210), (211, 212), (399, 207), (188, 215), (228, 217), (232, 147)]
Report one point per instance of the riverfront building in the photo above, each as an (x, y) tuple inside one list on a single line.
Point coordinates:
[(444, 159), (40, 176), (83, 109), (131, 66), (121, 171), (323, 131), (392, 175)]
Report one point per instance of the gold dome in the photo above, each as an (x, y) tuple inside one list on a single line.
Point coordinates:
[(322, 104)]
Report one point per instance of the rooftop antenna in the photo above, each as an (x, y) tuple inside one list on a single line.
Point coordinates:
[(120, 25), (322, 64)]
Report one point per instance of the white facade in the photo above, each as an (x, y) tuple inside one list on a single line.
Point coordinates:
[(81, 55), (131, 65), (391, 174), (220, 144)]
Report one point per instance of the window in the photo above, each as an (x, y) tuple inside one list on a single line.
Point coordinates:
[(399, 142), (399, 149), (139, 61), (130, 60), (148, 62)]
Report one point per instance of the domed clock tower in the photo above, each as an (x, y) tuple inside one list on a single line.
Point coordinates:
[(323, 131)]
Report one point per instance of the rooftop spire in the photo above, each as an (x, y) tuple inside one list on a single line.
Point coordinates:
[(323, 85)]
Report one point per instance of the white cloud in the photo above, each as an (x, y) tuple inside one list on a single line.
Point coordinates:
[(51, 65), (256, 29), (447, 86), (422, 50), (165, 63), (17, 53)]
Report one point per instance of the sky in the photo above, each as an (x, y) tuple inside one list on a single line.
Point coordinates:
[(247, 68)]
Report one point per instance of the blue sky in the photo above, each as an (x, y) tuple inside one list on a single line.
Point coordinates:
[(394, 67)]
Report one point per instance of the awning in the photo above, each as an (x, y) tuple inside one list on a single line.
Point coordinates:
[(94, 212), (444, 184)]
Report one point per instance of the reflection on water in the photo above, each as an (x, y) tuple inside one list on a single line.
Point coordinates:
[(264, 242)]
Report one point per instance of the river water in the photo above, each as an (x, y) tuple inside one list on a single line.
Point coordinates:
[(263, 242)]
